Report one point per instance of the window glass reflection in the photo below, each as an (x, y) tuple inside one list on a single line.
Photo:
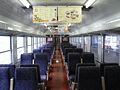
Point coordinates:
[(19, 42), (29, 40), (4, 43), (19, 52), (111, 51), (29, 49), (5, 58)]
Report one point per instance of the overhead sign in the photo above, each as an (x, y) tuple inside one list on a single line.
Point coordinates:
[(51, 14), (44, 14), (70, 14)]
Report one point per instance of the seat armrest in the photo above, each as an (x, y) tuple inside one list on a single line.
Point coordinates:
[(11, 83), (41, 86), (74, 86)]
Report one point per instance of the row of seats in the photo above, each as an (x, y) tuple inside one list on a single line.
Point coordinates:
[(74, 59), (27, 58), (48, 51), (84, 57), (25, 78), (29, 73), (40, 58), (73, 68), (89, 76), (66, 45)]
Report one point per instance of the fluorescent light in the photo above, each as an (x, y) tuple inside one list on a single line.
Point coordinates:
[(10, 28), (28, 29), (19, 30), (48, 27), (114, 20), (69, 24), (25, 3), (2, 22), (45, 24), (17, 26), (89, 3)]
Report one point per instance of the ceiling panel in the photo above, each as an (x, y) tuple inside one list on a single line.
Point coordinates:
[(57, 2), (102, 12)]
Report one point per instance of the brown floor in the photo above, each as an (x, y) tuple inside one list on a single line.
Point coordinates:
[(57, 74)]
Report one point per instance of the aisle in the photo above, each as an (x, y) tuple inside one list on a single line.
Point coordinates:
[(57, 74)]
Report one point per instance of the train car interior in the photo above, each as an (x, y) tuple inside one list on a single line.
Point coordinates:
[(59, 44)]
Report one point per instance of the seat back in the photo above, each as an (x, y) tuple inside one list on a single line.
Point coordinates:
[(36, 51), (81, 65), (37, 68), (4, 78), (66, 52), (73, 59), (89, 78), (26, 58), (88, 57), (25, 78), (78, 50), (103, 65), (112, 78), (11, 69), (42, 60), (48, 51)]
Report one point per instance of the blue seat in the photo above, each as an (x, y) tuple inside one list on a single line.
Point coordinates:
[(73, 59), (71, 50), (78, 50), (103, 65), (4, 78), (49, 47), (11, 68), (42, 60), (26, 78), (37, 67), (36, 51), (66, 51), (112, 78), (89, 78), (81, 65), (48, 51), (88, 57), (26, 58)]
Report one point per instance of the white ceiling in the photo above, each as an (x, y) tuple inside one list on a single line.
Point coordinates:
[(57, 2), (96, 19)]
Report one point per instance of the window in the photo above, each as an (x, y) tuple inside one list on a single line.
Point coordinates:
[(20, 47), (5, 58), (35, 43), (4, 43), (111, 51), (38, 42), (49, 39), (29, 45), (19, 42), (19, 52), (5, 52), (29, 40), (94, 45)]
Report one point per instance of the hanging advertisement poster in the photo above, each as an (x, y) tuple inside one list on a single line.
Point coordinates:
[(44, 14), (70, 14)]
